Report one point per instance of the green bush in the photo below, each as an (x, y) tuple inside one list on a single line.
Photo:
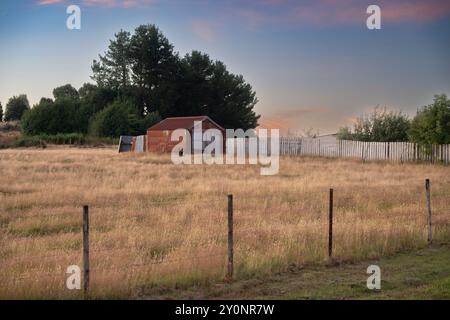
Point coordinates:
[(431, 125), (74, 139), (28, 141), (51, 117), (16, 107), (42, 140), (380, 125), (113, 121), (121, 118)]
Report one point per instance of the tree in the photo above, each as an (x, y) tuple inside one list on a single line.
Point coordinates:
[(154, 66), (52, 117), (1, 112), (311, 133), (43, 100), (121, 118), (345, 133), (140, 125), (431, 125), (93, 99), (234, 99), (86, 90), (16, 107), (205, 87), (144, 68), (65, 91), (40, 119), (137, 65), (113, 68), (380, 126)]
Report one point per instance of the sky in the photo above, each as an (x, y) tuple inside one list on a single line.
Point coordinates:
[(313, 64)]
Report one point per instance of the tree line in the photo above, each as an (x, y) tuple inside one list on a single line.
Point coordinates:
[(102, 111), (139, 80), (430, 125)]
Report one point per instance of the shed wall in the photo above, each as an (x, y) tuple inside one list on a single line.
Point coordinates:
[(159, 140)]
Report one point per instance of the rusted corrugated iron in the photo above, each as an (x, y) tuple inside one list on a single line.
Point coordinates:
[(132, 144), (159, 136), (182, 123), (139, 144)]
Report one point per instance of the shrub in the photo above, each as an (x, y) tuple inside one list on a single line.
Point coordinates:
[(431, 124), (28, 141), (16, 107), (121, 118), (51, 117), (114, 120), (380, 126)]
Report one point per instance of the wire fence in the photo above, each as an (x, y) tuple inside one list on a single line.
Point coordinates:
[(74, 257), (87, 253)]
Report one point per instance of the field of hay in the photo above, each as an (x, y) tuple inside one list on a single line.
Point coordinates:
[(157, 225)]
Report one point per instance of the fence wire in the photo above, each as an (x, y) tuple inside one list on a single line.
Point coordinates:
[(239, 233)]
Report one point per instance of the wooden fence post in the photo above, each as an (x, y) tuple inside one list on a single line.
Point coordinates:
[(85, 250), (230, 237), (330, 225), (427, 189)]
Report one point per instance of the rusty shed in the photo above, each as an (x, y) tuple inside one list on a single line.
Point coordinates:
[(159, 135)]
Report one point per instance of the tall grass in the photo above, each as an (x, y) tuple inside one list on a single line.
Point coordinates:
[(156, 225)]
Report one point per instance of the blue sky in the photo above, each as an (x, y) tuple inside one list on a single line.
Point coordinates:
[(313, 64)]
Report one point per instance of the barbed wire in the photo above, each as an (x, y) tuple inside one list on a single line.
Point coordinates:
[(238, 231)]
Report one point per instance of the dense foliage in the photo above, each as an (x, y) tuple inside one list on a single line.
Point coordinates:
[(380, 126), (432, 123), (16, 107), (145, 67), (140, 79), (120, 118)]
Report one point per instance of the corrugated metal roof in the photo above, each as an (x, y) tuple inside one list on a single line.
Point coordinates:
[(180, 123)]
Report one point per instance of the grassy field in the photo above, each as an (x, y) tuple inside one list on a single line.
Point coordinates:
[(157, 227)]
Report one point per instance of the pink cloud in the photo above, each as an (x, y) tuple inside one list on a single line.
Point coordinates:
[(421, 11), (253, 18), (338, 12), (105, 3), (329, 12), (204, 30), (48, 2), (118, 3)]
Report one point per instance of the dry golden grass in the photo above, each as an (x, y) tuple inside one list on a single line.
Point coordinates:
[(154, 224)]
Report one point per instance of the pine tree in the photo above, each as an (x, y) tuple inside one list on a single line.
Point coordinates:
[(144, 67), (113, 68)]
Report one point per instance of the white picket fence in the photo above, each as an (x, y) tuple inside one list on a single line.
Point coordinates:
[(390, 151), (329, 147)]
